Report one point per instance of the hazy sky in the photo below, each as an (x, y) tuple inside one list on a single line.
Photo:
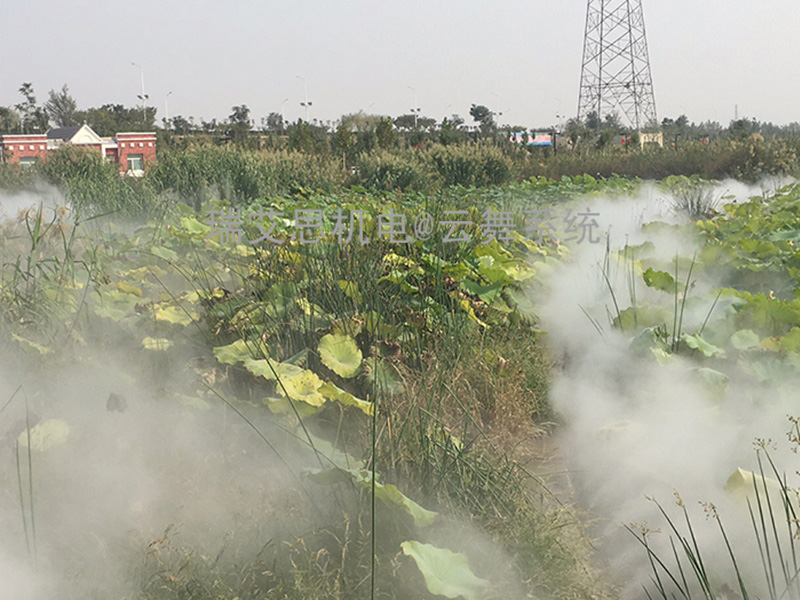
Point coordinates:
[(518, 58)]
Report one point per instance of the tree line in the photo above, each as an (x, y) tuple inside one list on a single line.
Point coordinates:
[(351, 133)]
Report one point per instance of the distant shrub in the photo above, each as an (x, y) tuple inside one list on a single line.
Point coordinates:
[(95, 186), (382, 170), (15, 178), (747, 160), (755, 158), (197, 174), (470, 164)]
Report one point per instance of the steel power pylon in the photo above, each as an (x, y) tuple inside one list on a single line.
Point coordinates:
[(615, 75)]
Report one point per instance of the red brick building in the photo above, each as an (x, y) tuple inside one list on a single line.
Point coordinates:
[(131, 152)]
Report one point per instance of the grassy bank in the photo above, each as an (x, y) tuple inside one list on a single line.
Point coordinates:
[(394, 391), (196, 175)]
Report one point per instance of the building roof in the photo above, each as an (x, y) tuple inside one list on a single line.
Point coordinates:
[(63, 133)]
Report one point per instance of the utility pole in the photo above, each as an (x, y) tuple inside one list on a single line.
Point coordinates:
[(283, 115), (142, 96), (305, 104), (414, 110), (166, 109), (615, 73)]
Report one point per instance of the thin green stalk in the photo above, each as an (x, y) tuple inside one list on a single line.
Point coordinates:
[(742, 588), (773, 527), (22, 503), (373, 521), (675, 309), (30, 485), (685, 293), (708, 316), (761, 549)]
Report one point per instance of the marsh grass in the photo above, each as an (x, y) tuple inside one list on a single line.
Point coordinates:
[(697, 201), (451, 430), (774, 526), (452, 424)]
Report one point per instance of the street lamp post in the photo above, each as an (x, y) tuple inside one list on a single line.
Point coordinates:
[(305, 104), (166, 109), (414, 110), (142, 96), (445, 109), (283, 115)]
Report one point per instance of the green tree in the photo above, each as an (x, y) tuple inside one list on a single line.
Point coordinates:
[(61, 108), (33, 117), (405, 122), (300, 137), (9, 120), (274, 123), (426, 123), (385, 134), (239, 125), (575, 131), (741, 129), (361, 121), (366, 140), (611, 121), (484, 117), (593, 122), (450, 131), (210, 126), (480, 113), (343, 142), (110, 119), (180, 125)]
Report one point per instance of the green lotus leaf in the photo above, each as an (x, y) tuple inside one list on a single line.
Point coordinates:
[(47, 434), (350, 290), (744, 339), (331, 455), (791, 341), (281, 298), (116, 305), (385, 376), (151, 343), (340, 354), (389, 493), (336, 394), (384, 492), (742, 484), (712, 377), (164, 253), (238, 351), (697, 343), (31, 346), (194, 402), (446, 573), (127, 288), (270, 369), (195, 227), (284, 406), (660, 280), (303, 387), (173, 314)]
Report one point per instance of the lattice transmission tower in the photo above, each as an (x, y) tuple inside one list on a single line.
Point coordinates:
[(615, 75)]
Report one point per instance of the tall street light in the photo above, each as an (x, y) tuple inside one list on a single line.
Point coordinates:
[(414, 110), (166, 109), (305, 104), (283, 115), (142, 96)]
